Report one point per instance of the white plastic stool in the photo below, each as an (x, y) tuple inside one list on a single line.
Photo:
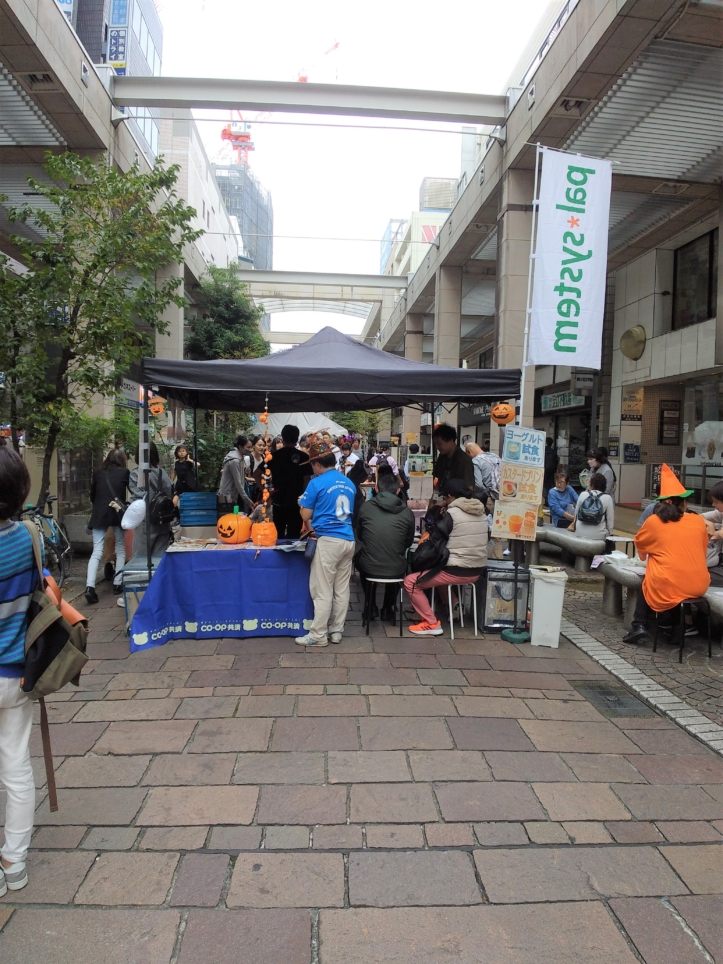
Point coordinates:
[(370, 594), (460, 588)]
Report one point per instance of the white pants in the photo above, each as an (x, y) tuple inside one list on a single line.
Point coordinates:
[(16, 774), (97, 555), (329, 585)]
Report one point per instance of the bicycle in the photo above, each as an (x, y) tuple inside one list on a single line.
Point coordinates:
[(56, 544)]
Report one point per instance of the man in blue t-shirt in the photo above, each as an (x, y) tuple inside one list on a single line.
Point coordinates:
[(327, 506)]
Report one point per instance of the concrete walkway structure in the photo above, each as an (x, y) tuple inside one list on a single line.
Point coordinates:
[(398, 800)]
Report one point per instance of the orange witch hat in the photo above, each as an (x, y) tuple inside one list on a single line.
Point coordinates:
[(671, 486)]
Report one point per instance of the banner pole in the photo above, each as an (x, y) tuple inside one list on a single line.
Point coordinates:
[(528, 305)]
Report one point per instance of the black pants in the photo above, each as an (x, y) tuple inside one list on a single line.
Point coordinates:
[(391, 591), (643, 613), (287, 521)]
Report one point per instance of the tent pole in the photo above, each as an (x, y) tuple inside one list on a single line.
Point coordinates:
[(145, 467), (195, 443)]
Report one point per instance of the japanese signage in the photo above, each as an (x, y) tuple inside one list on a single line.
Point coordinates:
[(520, 483), (582, 381), (119, 12), (632, 405), (117, 39), (614, 446), (67, 7), (420, 464), (514, 520), (669, 424), (130, 394), (558, 400), (570, 265), (631, 453), (524, 446)]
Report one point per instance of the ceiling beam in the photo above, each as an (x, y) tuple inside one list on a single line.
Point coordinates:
[(249, 276), (292, 97)]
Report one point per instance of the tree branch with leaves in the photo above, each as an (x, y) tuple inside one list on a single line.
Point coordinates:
[(91, 300)]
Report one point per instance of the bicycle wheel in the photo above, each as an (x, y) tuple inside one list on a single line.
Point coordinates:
[(66, 552)]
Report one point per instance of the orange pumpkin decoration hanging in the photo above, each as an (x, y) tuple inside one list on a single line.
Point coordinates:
[(264, 534), (503, 413), (234, 529), (156, 407)]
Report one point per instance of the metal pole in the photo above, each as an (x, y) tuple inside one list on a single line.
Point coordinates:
[(528, 309), (593, 413), (144, 466), (195, 443)]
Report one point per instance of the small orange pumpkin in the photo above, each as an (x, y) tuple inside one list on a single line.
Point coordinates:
[(503, 413), (234, 529), (264, 534), (156, 407)]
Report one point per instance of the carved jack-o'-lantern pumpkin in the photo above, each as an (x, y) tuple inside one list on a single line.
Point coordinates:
[(156, 407), (264, 534), (503, 413), (234, 529)]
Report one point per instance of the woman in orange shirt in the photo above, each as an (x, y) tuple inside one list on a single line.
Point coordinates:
[(675, 543)]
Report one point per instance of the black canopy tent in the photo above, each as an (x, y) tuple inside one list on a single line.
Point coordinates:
[(336, 371)]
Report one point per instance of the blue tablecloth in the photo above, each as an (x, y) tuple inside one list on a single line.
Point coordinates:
[(206, 594)]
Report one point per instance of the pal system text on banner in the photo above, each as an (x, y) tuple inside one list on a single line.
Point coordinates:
[(568, 297)]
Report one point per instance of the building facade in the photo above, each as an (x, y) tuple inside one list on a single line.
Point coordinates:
[(250, 203)]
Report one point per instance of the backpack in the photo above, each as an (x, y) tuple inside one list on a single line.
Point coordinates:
[(432, 552), (163, 510), (382, 459), (55, 644), (591, 511)]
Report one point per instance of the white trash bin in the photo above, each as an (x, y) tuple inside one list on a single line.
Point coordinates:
[(548, 594)]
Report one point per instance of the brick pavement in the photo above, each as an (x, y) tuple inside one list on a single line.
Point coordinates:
[(698, 680), (412, 800)]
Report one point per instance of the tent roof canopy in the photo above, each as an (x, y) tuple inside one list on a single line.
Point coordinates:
[(330, 371)]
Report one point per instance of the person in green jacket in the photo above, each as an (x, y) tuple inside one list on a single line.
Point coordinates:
[(385, 530)]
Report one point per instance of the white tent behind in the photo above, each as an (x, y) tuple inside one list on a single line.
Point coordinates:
[(306, 422)]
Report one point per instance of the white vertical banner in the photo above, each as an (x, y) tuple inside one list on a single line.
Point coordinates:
[(570, 261)]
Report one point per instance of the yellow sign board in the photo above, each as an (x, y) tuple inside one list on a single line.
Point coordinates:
[(521, 483), (514, 520)]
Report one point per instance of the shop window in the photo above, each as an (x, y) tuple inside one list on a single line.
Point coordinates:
[(695, 286), (486, 358)]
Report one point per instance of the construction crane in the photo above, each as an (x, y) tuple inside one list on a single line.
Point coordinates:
[(303, 75), (238, 134)]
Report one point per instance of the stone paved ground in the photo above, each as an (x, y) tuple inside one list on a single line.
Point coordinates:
[(409, 801), (698, 680)]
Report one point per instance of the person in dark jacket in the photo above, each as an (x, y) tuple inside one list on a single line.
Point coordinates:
[(232, 490), (357, 475), (158, 481), (452, 462), (109, 485), (184, 473), (385, 529)]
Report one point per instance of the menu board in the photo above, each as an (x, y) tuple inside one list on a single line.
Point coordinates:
[(514, 520), (524, 446), (520, 483)]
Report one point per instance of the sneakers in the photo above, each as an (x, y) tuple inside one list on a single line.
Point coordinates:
[(12, 880), (309, 640), (91, 595), (691, 630), (334, 637), (121, 602), (427, 629)]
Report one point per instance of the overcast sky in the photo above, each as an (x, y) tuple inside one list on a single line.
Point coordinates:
[(339, 183)]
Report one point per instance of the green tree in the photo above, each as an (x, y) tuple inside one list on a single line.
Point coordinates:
[(227, 325), (359, 423), (87, 306), (94, 434)]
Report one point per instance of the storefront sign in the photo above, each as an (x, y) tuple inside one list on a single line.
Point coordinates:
[(130, 394), (560, 400), (514, 520), (614, 446), (519, 483), (631, 453), (475, 414), (582, 381), (67, 7), (632, 405), (669, 422), (524, 446), (570, 264), (117, 45)]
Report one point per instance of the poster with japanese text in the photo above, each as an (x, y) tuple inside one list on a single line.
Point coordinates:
[(521, 483), (524, 446), (514, 520)]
